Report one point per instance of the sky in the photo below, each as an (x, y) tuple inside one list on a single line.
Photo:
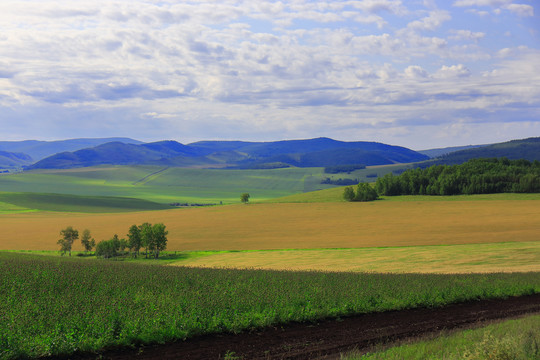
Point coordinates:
[(419, 74)]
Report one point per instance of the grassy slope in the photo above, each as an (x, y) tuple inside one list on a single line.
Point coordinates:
[(516, 339), (167, 185), (75, 203)]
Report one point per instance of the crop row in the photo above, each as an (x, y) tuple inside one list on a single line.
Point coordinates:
[(54, 305)]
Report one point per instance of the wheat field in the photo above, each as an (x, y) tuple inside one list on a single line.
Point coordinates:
[(296, 225)]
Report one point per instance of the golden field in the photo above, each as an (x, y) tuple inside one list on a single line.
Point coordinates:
[(448, 259), (297, 225)]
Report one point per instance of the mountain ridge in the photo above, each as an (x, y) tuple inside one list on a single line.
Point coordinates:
[(237, 154)]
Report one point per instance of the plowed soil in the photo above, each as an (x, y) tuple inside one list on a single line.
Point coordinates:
[(328, 338)]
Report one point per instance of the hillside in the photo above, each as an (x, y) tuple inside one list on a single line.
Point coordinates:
[(438, 152), (116, 153), (10, 160), (235, 154), (38, 150), (528, 149)]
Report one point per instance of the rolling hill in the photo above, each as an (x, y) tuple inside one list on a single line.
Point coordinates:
[(528, 149), (10, 160), (38, 150), (235, 154)]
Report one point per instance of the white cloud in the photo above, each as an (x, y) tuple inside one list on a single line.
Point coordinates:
[(431, 22), (521, 9), (211, 68), (454, 71), (466, 35), (415, 71), (481, 2)]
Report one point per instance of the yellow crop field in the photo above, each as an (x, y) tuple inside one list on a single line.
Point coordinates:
[(296, 225), (469, 258)]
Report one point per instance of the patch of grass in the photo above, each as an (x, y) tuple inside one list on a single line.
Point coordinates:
[(74, 203), (470, 258), (56, 305), (514, 339)]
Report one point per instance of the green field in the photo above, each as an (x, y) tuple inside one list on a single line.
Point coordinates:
[(167, 185), (517, 339), (53, 305), (23, 202), (56, 305)]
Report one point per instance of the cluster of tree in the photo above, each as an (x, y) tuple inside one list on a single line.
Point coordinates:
[(153, 238), (69, 235), (342, 168), (476, 176), (340, 181), (364, 192)]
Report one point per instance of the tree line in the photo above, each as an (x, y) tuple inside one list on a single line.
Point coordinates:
[(151, 238), (476, 176)]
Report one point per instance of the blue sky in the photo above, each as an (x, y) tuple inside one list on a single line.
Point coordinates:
[(420, 74)]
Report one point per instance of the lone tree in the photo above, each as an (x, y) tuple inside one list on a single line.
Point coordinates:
[(69, 235), (87, 241), (245, 198)]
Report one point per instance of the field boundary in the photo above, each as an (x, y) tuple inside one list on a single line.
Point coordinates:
[(327, 339)]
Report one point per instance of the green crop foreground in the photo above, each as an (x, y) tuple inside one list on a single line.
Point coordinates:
[(56, 305)]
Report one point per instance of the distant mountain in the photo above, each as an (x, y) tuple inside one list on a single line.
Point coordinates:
[(38, 150), (528, 149), (116, 153), (438, 152), (10, 160), (302, 153)]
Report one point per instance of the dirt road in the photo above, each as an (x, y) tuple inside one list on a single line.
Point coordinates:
[(327, 339)]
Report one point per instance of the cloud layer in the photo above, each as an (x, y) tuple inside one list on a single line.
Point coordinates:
[(425, 75)]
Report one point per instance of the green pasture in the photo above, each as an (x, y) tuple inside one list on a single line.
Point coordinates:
[(56, 305), (168, 185), (517, 339), (22, 202)]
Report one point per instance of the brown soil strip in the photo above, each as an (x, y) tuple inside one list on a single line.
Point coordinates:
[(328, 338)]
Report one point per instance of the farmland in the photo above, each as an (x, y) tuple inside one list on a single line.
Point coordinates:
[(382, 223), (281, 229), (450, 259), (65, 304)]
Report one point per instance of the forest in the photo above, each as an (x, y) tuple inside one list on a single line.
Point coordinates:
[(476, 176)]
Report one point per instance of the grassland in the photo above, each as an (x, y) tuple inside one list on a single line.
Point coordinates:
[(516, 339), (449, 259), (23, 202), (55, 305), (167, 185)]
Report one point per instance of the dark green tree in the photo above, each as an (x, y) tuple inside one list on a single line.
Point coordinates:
[(134, 239), (87, 241), (147, 237), (365, 192), (160, 238), (69, 235), (245, 198), (107, 248), (348, 193)]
